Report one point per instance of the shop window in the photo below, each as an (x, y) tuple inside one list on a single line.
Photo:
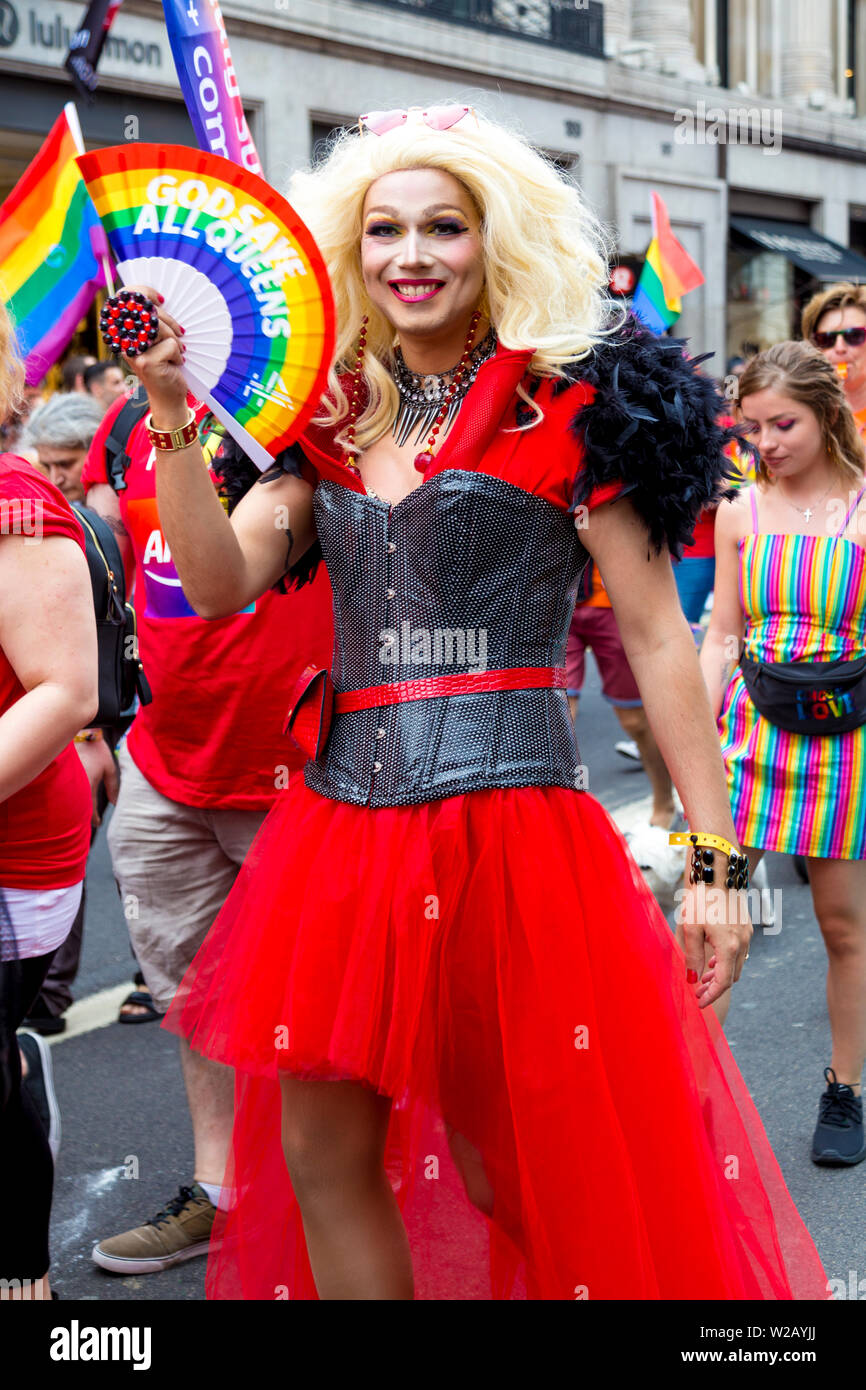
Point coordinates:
[(762, 307), (857, 231), (321, 133)]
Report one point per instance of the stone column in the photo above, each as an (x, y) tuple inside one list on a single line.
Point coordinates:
[(807, 51), (711, 49), (667, 26), (617, 25)]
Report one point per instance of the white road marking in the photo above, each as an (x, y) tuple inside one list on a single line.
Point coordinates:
[(96, 1011)]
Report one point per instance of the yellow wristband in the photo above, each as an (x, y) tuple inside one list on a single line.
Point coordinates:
[(702, 838), (88, 736)]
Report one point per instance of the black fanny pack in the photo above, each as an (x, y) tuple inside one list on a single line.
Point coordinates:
[(808, 697)]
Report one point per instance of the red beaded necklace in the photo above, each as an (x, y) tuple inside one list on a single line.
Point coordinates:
[(425, 458)]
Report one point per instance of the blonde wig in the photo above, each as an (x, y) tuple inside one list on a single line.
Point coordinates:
[(546, 272), (801, 372), (11, 370)]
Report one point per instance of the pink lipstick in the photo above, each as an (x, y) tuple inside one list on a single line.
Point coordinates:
[(414, 291)]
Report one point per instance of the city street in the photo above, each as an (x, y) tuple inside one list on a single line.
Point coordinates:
[(126, 1134)]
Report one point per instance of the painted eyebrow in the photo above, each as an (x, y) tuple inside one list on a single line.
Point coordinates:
[(428, 212)]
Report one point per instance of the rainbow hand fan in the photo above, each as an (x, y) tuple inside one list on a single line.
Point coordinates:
[(239, 271)]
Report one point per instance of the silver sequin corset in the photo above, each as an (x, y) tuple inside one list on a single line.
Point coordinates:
[(466, 574)]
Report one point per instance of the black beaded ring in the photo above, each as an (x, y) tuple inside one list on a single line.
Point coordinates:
[(703, 870), (129, 323)]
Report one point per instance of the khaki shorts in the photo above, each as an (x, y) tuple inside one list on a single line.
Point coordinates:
[(175, 866), (596, 629)]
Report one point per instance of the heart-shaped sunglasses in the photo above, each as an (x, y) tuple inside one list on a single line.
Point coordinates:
[(436, 117)]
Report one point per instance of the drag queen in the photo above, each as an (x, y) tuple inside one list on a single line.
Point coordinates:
[(472, 1060)]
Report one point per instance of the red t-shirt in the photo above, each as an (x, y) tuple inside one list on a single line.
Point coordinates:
[(212, 735), (44, 827), (704, 547)]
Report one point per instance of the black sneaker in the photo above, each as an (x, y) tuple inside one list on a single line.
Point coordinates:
[(41, 1020), (39, 1084), (838, 1138)]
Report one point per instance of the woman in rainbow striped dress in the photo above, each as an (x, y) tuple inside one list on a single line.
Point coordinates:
[(791, 587)]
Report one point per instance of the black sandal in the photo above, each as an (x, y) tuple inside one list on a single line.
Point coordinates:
[(144, 999)]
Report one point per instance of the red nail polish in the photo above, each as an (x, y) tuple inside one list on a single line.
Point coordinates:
[(161, 298), (691, 977)]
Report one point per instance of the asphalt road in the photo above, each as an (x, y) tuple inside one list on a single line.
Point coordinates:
[(122, 1099)]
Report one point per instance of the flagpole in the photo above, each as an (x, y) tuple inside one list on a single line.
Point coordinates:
[(71, 113)]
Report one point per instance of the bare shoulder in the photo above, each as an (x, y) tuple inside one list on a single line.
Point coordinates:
[(734, 517), (42, 561)]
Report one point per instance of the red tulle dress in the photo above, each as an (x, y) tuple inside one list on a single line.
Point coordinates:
[(566, 1122)]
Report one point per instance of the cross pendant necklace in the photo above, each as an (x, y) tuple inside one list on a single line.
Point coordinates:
[(807, 512)]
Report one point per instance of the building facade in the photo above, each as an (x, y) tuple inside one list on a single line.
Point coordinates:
[(747, 116)]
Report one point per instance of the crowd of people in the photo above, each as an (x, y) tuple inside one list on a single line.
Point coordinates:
[(369, 894)]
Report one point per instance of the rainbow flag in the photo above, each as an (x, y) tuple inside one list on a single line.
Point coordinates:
[(668, 273), (52, 249)]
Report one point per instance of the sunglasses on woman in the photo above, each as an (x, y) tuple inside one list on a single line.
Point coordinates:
[(436, 117), (854, 337)]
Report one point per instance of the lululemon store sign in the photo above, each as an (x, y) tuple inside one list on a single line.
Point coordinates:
[(47, 32)]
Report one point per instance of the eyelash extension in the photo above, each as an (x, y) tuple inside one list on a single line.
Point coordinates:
[(451, 228)]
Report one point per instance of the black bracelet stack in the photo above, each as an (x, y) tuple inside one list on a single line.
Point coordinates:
[(703, 870)]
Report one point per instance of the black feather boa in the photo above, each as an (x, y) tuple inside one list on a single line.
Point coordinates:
[(654, 425), (237, 474)]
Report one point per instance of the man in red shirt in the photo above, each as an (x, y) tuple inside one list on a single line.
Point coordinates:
[(200, 768)]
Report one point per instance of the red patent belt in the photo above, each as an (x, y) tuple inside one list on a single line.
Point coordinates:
[(315, 701), (431, 687)]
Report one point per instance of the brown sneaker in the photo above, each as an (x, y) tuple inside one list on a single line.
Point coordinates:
[(177, 1233)]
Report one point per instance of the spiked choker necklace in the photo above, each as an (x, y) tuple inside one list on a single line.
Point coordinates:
[(422, 396)]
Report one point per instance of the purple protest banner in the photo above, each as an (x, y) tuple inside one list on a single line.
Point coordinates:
[(200, 48)]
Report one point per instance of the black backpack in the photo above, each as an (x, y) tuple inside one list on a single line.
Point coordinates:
[(116, 455), (121, 674)]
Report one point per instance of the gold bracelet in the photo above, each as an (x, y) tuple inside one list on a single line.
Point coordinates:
[(702, 867), (88, 736), (171, 441)]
